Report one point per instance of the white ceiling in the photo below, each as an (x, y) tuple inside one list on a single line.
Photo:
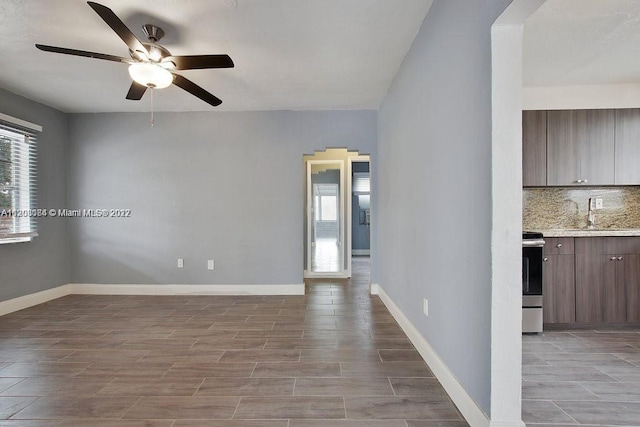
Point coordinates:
[(583, 42), (289, 54)]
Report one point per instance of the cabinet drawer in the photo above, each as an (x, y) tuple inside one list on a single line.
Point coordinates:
[(607, 245), (558, 245), (624, 245)]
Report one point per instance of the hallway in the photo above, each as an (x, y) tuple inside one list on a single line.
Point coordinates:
[(334, 357)]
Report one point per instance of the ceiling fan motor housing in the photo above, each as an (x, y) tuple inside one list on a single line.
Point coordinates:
[(156, 52), (152, 32)]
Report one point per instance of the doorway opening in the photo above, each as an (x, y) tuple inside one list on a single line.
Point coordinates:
[(361, 208), (337, 211)]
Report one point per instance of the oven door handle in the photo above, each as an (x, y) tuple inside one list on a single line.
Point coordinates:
[(537, 243)]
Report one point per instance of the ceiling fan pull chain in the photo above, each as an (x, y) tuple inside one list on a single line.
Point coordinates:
[(152, 121)]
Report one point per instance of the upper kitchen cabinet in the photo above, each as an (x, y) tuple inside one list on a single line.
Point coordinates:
[(627, 151), (580, 147), (534, 148)]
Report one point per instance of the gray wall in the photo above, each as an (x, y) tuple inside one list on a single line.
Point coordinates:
[(433, 186), (42, 264), (222, 186)]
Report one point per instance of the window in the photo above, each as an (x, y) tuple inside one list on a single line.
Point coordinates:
[(18, 179), (329, 208), (326, 202)]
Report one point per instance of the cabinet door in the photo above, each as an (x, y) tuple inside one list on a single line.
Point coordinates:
[(559, 289), (627, 146), (580, 147), (597, 153), (615, 293), (593, 271), (631, 272), (534, 148), (562, 148)]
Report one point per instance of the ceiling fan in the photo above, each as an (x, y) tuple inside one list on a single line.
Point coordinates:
[(150, 65)]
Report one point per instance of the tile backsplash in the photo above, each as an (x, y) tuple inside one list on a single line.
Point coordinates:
[(567, 208)]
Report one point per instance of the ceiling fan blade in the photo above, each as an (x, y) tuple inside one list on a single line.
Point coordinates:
[(198, 62), (84, 53), (136, 91), (196, 90), (119, 27)]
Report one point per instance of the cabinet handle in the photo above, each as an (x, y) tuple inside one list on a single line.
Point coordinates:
[(584, 181), (620, 258), (613, 258), (579, 181), (559, 245), (545, 259)]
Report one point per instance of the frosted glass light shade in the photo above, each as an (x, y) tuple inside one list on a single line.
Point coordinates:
[(150, 75)]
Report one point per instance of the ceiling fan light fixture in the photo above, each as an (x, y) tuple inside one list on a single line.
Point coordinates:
[(150, 74)]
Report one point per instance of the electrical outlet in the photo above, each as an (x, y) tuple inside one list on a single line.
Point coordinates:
[(599, 204), (180, 263), (210, 264), (425, 306)]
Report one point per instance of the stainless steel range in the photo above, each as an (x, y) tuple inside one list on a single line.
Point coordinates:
[(532, 278)]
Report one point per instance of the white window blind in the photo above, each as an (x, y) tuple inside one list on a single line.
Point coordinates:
[(18, 180)]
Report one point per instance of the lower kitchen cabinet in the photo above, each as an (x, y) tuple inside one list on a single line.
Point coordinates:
[(607, 281), (615, 290), (559, 291), (631, 266), (593, 271), (591, 280)]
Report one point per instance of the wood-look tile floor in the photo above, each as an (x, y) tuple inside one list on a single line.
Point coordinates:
[(581, 377), (333, 357)]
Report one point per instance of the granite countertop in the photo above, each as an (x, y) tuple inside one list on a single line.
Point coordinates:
[(596, 232)]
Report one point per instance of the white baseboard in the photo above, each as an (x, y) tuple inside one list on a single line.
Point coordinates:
[(470, 410), (507, 424), (102, 289), (26, 301), (360, 252)]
